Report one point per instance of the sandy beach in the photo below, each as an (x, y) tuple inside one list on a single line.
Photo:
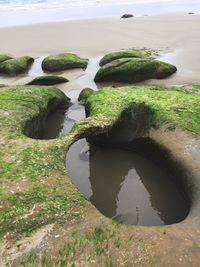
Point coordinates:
[(176, 38)]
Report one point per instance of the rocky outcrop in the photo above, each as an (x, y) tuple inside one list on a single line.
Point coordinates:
[(130, 53), (131, 70), (15, 66), (63, 62)]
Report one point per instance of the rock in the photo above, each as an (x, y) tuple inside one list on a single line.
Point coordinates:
[(130, 53), (63, 62), (2, 85), (48, 80), (4, 57), (126, 16), (132, 70), (84, 94), (190, 13), (15, 66)]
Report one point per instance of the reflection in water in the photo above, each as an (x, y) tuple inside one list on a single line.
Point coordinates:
[(61, 121), (36, 68), (87, 79), (125, 186)]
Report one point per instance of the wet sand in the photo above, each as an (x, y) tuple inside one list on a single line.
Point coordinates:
[(175, 37)]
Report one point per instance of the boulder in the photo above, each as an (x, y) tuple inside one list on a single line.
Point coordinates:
[(15, 66), (4, 57), (126, 16), (48, 80), (63, 62), (130, 53), (130, 70)]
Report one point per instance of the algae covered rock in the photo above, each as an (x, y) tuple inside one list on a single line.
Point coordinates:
[(84, 94), (4, 57), (63, 62), (48, 80), (15, 66), (130, 53), (134, 70)]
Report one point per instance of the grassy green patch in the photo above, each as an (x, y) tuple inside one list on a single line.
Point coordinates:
[(176, 108)]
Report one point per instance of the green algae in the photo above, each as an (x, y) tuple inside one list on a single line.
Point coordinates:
[(4, 57), (84, 94), (48, 80), (175, 107), (35, 189), (63, 61), (15, 66), (130, 53), (131, 70)]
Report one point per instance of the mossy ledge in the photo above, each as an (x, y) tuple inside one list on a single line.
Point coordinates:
[(84, 94), (132, 70), (35, 190), (48, 80), (63, 61), (15, 66)]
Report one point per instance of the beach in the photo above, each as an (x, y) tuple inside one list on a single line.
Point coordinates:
[(175, 38), (51, 221)]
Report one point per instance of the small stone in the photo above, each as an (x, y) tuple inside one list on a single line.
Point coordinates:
[(48, 80), (126, 16)]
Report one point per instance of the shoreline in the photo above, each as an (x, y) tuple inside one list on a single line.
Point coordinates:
[(99, 11), (94, 38)]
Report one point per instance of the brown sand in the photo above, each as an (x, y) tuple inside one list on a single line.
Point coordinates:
[(177, 37)]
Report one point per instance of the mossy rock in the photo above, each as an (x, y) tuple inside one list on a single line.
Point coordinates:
[(4, 57), (63, 62), (130, 70), (84, 94), (130, 53), (48, 80), (15, 66)]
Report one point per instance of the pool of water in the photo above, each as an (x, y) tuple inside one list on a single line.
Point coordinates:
[(126, 185)]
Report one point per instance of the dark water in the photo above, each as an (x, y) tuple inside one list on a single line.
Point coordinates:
[(61, 121), (125, 185)]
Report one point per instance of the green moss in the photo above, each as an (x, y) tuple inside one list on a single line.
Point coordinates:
[(130, 53), (35, 189), (84, 94), (4, 57), (48, 80), (15, 66), (171, 107), (134, 70), (63, 62)]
